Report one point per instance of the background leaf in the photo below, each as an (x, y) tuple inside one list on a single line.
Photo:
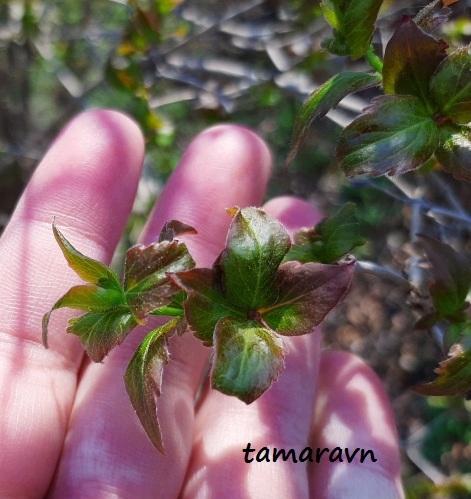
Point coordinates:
[(451, 272), (394, 135), (353, 22), (247, 359), (143, 378), (454, 373), (324, 98), (329, 240), (410, 59), (451, 86), (454, 152), (308, 292), (256, 245)]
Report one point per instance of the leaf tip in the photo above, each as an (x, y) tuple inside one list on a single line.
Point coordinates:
[(232, 212)]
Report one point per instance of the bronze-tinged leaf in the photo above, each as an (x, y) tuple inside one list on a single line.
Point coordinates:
[(410, 59), (143, 378), (308, 292), (173, 229), (146, 284), (454, 373), (247, 359), (205, 303)]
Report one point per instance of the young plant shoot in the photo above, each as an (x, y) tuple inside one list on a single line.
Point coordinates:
[(242, 307)]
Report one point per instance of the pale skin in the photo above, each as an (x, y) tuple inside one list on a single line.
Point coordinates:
[(67, 429)]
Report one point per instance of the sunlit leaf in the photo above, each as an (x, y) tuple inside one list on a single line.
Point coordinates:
[(353, 22), (454, 152), (329, 240), (451, 86), (324, 98), (451, 273), (101, 331), (308, 292), (88, 269), (146, 283), (454, 373), (256, 245), (394, 135), (248, 358), (143, 378), (410, 59), (206, 303), (88, 298)]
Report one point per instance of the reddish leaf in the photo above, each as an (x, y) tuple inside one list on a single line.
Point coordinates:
[(308, 292), (146, 283), (410, 59), (143, 378)]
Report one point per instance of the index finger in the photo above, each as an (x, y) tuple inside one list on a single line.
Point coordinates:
[(88, 180)]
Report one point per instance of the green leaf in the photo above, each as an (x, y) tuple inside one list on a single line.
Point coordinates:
[(146, 284), (451, 86), (451, 272), (454, 373), (330, 240), (143, 378), (394, 135), (353, 22), (454, 152), (308, 292), (256, 245), (324, 98), (410, 59), (205, 303), (88, 269), (101, 331), (248, 358)]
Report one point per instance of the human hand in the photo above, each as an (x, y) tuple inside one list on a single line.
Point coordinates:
[(67, 428)]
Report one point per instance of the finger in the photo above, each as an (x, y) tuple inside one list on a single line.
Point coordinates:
[(87, 181), (280, 418), (353, 412), (107, 452)]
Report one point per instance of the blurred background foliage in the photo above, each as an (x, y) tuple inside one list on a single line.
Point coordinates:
[(178, 67)]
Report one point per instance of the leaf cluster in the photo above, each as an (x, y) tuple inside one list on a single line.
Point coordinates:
[(258, 291), (425, 109), (449, 290)]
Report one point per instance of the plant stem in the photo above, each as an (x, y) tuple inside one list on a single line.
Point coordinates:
[(373, 60)]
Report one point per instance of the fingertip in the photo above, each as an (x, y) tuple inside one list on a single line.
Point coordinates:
[(294, 213), (223, 167), (353, 412)]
